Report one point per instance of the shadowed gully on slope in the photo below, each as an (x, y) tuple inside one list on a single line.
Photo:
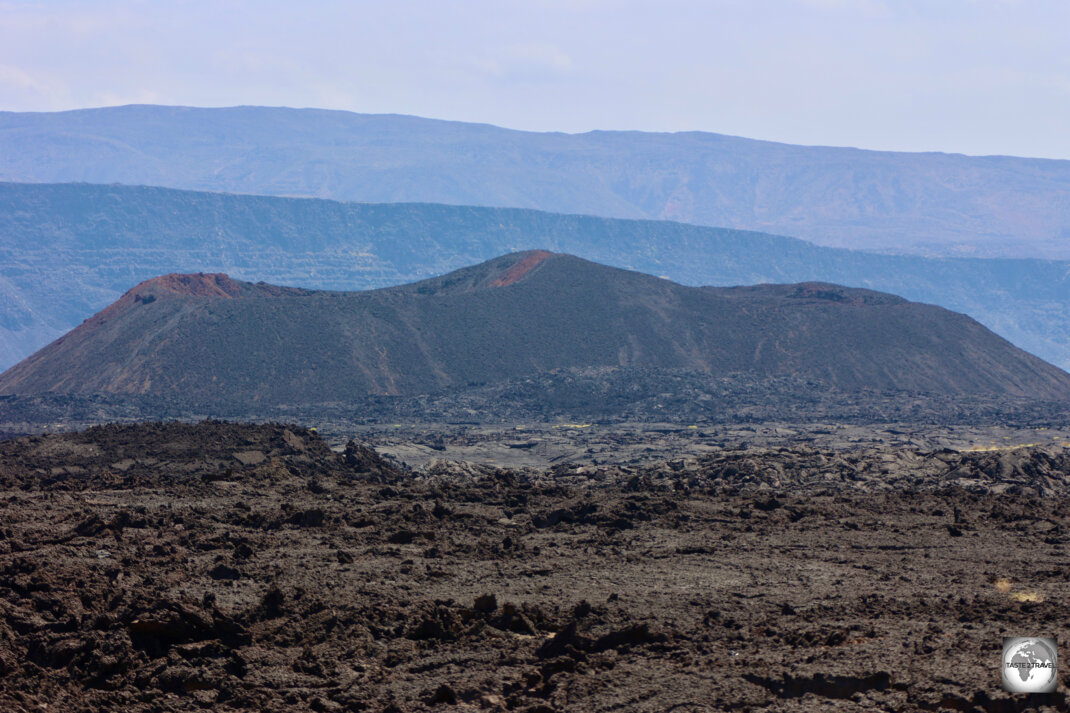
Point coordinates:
[(210, 338)]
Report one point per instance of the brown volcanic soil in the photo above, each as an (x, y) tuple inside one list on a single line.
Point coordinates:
[(227, 567)]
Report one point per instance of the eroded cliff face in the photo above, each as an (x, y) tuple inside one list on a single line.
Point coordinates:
[(932, 203)]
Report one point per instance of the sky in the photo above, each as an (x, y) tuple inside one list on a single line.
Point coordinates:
[(967, 76)]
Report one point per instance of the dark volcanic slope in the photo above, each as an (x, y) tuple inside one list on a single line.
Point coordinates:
[(210, 338), (924, 202), (68, 251)]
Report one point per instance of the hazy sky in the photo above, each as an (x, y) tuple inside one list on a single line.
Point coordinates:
[(971, 76)]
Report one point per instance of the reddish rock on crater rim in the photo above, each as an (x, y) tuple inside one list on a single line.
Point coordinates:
[(521, 268)]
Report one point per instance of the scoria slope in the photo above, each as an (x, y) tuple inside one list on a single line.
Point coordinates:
[(208, 338)]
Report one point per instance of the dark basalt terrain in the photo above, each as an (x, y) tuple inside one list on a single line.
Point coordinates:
[(682, 401), (250, 568), (209, 340)]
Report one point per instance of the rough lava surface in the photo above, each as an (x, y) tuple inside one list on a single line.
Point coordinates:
[(185, 567)]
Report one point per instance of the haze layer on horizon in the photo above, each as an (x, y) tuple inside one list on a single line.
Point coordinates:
[(969, 76)]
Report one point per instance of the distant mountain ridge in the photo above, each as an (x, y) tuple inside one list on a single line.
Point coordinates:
[(68, 250), (207, 338), (927, 203)]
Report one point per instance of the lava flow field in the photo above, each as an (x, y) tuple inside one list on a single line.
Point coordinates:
[(251, 568)]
